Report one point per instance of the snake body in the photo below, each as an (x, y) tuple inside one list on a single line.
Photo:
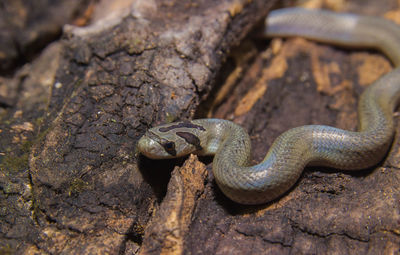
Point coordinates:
[(306, 145)]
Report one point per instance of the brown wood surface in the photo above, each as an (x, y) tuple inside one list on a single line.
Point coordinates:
[(71, 181)]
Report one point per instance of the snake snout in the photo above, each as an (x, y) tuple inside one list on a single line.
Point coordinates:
[(152, 149), (147, 147)]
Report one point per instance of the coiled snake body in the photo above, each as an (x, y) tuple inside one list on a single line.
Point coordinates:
[(301, 146)]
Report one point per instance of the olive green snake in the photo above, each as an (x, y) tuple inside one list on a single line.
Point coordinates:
[(301, 146)]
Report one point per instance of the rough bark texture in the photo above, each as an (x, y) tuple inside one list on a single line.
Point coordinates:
[(71, 181)]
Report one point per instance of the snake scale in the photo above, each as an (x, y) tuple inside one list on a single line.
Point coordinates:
[(316, 145)]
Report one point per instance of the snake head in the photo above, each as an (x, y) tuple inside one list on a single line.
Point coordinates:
[(171, 140)]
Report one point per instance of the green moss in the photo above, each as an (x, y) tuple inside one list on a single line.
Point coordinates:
[(41, 136), (78, 83), (77, 186), (14, 164), (6, 250), (3, 115), (75, 92), (39, 121), (26, 146)]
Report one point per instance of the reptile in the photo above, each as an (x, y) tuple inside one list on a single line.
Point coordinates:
[(293, 150)]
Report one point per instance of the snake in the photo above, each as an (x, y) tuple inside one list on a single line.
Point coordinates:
[(296, 148)]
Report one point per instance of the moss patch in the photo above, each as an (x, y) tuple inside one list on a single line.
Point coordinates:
[(14, 164), (77, 185), (6, 250)]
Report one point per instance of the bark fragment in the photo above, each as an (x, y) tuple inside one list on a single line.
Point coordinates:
[(176, 210)]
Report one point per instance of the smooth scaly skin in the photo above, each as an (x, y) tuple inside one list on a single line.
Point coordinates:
[(301, 146)]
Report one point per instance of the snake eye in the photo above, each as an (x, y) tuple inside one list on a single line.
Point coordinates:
[(170, 148)]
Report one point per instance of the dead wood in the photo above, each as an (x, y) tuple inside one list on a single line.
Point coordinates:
[(71, 181)]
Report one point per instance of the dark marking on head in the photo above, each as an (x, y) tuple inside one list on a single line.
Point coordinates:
[(152, 136), (191, 139), (170, 148), (184, 124)]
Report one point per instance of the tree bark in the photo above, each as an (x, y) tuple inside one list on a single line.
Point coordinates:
[(72, 181)]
